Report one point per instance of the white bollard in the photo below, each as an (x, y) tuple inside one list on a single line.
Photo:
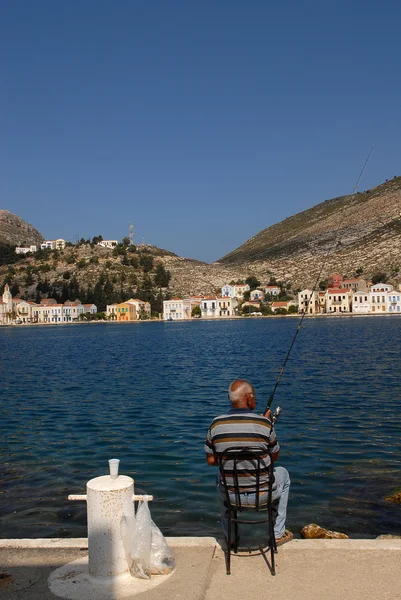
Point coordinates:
[(107, 501)]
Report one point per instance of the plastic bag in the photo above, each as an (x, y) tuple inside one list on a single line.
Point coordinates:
[(162, 559), (145, 548)]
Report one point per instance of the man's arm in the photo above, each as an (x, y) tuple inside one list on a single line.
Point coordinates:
[(211, 458)]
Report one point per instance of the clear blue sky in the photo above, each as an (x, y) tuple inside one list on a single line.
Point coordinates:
[(200, 122)]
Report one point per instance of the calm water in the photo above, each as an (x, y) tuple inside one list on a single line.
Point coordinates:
[(74, 396)]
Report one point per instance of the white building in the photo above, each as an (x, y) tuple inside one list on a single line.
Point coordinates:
[(240, 289), (308, 302), (227, 307), (272, 290), (141, 307), (111, 311), (58, 244), (177, 309), (257, 295), (234, 291), (361, 303), (228, 291), (25, 250), (209, 307), (379, 297), (90, 309), (108, 243), (394, 302), (338, 301)]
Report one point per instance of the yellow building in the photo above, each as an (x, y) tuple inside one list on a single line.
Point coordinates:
[(125, 311)]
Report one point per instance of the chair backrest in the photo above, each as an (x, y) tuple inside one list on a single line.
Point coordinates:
[(238, 465)]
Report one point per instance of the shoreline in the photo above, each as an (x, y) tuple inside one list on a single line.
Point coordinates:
[(295, 316)]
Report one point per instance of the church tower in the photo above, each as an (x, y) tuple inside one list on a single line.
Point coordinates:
[(7, 299)]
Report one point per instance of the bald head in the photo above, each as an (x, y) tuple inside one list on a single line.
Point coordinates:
[(241, 393)]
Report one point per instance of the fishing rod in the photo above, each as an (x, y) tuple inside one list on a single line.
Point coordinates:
[(278, 410)]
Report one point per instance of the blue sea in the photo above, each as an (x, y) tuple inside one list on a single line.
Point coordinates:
[(73, 396)]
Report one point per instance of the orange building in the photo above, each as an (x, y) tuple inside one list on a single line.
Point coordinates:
[(125, 312)]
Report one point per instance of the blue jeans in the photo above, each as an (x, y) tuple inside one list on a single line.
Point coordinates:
[(281, 489)]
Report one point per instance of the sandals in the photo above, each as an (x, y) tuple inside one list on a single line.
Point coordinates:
[(287, 537)]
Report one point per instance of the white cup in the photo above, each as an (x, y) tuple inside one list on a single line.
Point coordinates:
[(113, 466)]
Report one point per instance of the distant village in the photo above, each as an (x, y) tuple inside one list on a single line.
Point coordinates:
[(338, 295), (342, 296)]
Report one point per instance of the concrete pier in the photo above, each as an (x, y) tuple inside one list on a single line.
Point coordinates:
[(306, 570)]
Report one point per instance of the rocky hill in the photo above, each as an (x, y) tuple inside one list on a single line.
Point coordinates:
[(17, 232), (353, 234), (357, 232)]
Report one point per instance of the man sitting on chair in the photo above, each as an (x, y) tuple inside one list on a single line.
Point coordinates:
[(240, 427)]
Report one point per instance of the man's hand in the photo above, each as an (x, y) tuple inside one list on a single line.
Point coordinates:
[(211, 459), (268, 414)]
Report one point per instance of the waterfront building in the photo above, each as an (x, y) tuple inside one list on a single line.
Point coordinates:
[(126, 312), (48, 313), (6, 306), (209, 307), (111, 311), (272, 290), (227, 307), (394, 302), (338, 300), (308, 301), (321, 299), (177, 309), (361, 303), (25, 250), (23, 311), (257, 295), (143, 309), (379, 297), (108, 243), (276, 306), (90, 309)]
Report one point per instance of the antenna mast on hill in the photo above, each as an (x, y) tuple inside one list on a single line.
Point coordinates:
[(131, 233)]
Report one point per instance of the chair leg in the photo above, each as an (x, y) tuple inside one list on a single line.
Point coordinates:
[(228, 549), (272, 542)]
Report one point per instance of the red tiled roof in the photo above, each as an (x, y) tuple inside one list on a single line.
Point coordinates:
[(338, 291)]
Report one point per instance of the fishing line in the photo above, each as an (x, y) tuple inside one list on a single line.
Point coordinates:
[(305, 312)]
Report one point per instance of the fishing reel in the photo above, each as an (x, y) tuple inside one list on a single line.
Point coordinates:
[(276, 414)]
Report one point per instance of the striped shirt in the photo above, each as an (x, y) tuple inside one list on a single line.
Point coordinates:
[(241, 428)]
